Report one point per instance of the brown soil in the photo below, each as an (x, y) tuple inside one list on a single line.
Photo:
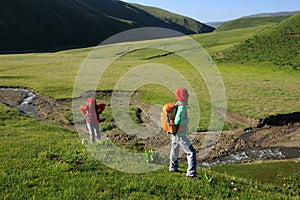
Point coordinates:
[(274, 131)]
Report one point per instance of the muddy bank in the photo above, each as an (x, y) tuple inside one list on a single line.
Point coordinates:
[(273, 138)]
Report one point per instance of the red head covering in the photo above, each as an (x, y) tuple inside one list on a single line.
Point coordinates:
[(91, 101), (181, 95)]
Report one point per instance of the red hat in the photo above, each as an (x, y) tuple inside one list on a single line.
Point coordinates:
[(91, 101), (182, 95)]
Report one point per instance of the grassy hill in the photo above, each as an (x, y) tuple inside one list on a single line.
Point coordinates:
[(278, 44), (235, 24), (221, 40), (53, 24), (273, 14), (176, 19), (250, 22)]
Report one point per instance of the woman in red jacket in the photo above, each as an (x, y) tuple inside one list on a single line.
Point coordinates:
[(92, 111)]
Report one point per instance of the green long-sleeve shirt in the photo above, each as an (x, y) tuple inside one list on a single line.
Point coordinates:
[(181, 119)]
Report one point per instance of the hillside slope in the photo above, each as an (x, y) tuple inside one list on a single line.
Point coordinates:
[(54, 24), (278, 44), (250, 22), (260, 15), (177, 20), (273, 14)]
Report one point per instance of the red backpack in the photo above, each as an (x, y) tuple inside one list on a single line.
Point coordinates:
[(167, 117), (99, 109)]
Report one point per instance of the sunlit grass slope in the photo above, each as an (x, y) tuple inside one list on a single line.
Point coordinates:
[(251, 22), (278, 44)]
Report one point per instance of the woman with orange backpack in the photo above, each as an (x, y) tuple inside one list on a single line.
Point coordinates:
[(179, 139), (91, 111)]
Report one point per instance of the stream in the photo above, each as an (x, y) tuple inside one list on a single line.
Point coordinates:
[(26, 102), (251, 155)]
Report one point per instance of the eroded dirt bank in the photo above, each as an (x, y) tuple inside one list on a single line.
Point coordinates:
[(275, 137)]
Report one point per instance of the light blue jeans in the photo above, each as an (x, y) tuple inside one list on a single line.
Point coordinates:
[(93, 131), (185, 144)]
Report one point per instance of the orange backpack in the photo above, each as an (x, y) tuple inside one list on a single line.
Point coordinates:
[(167, 118)]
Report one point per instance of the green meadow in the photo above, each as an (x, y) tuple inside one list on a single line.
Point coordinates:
[(44, 161), (253, 89), (41, 160)]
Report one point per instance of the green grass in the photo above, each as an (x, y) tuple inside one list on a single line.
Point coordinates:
[(251, 22), (52, 74), (279, 44), (275, 173), (260, 90), (42, 161), (220, 40)]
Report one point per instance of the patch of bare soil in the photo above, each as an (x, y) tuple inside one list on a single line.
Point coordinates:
[(282, 131)]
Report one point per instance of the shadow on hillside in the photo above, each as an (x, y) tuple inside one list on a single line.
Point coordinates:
[(280, 119)]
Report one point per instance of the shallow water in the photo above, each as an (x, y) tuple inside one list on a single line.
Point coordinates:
[(251, 155), (27, 105)]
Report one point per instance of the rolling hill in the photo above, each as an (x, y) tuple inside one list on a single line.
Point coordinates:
[(47, 25), (278, 44), (175, 19), (250, 22), (236, 23), (273, 14)]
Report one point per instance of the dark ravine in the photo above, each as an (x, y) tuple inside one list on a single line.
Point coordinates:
[(271, 139)]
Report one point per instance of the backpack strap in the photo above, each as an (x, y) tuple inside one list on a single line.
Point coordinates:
[(178, 104)]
